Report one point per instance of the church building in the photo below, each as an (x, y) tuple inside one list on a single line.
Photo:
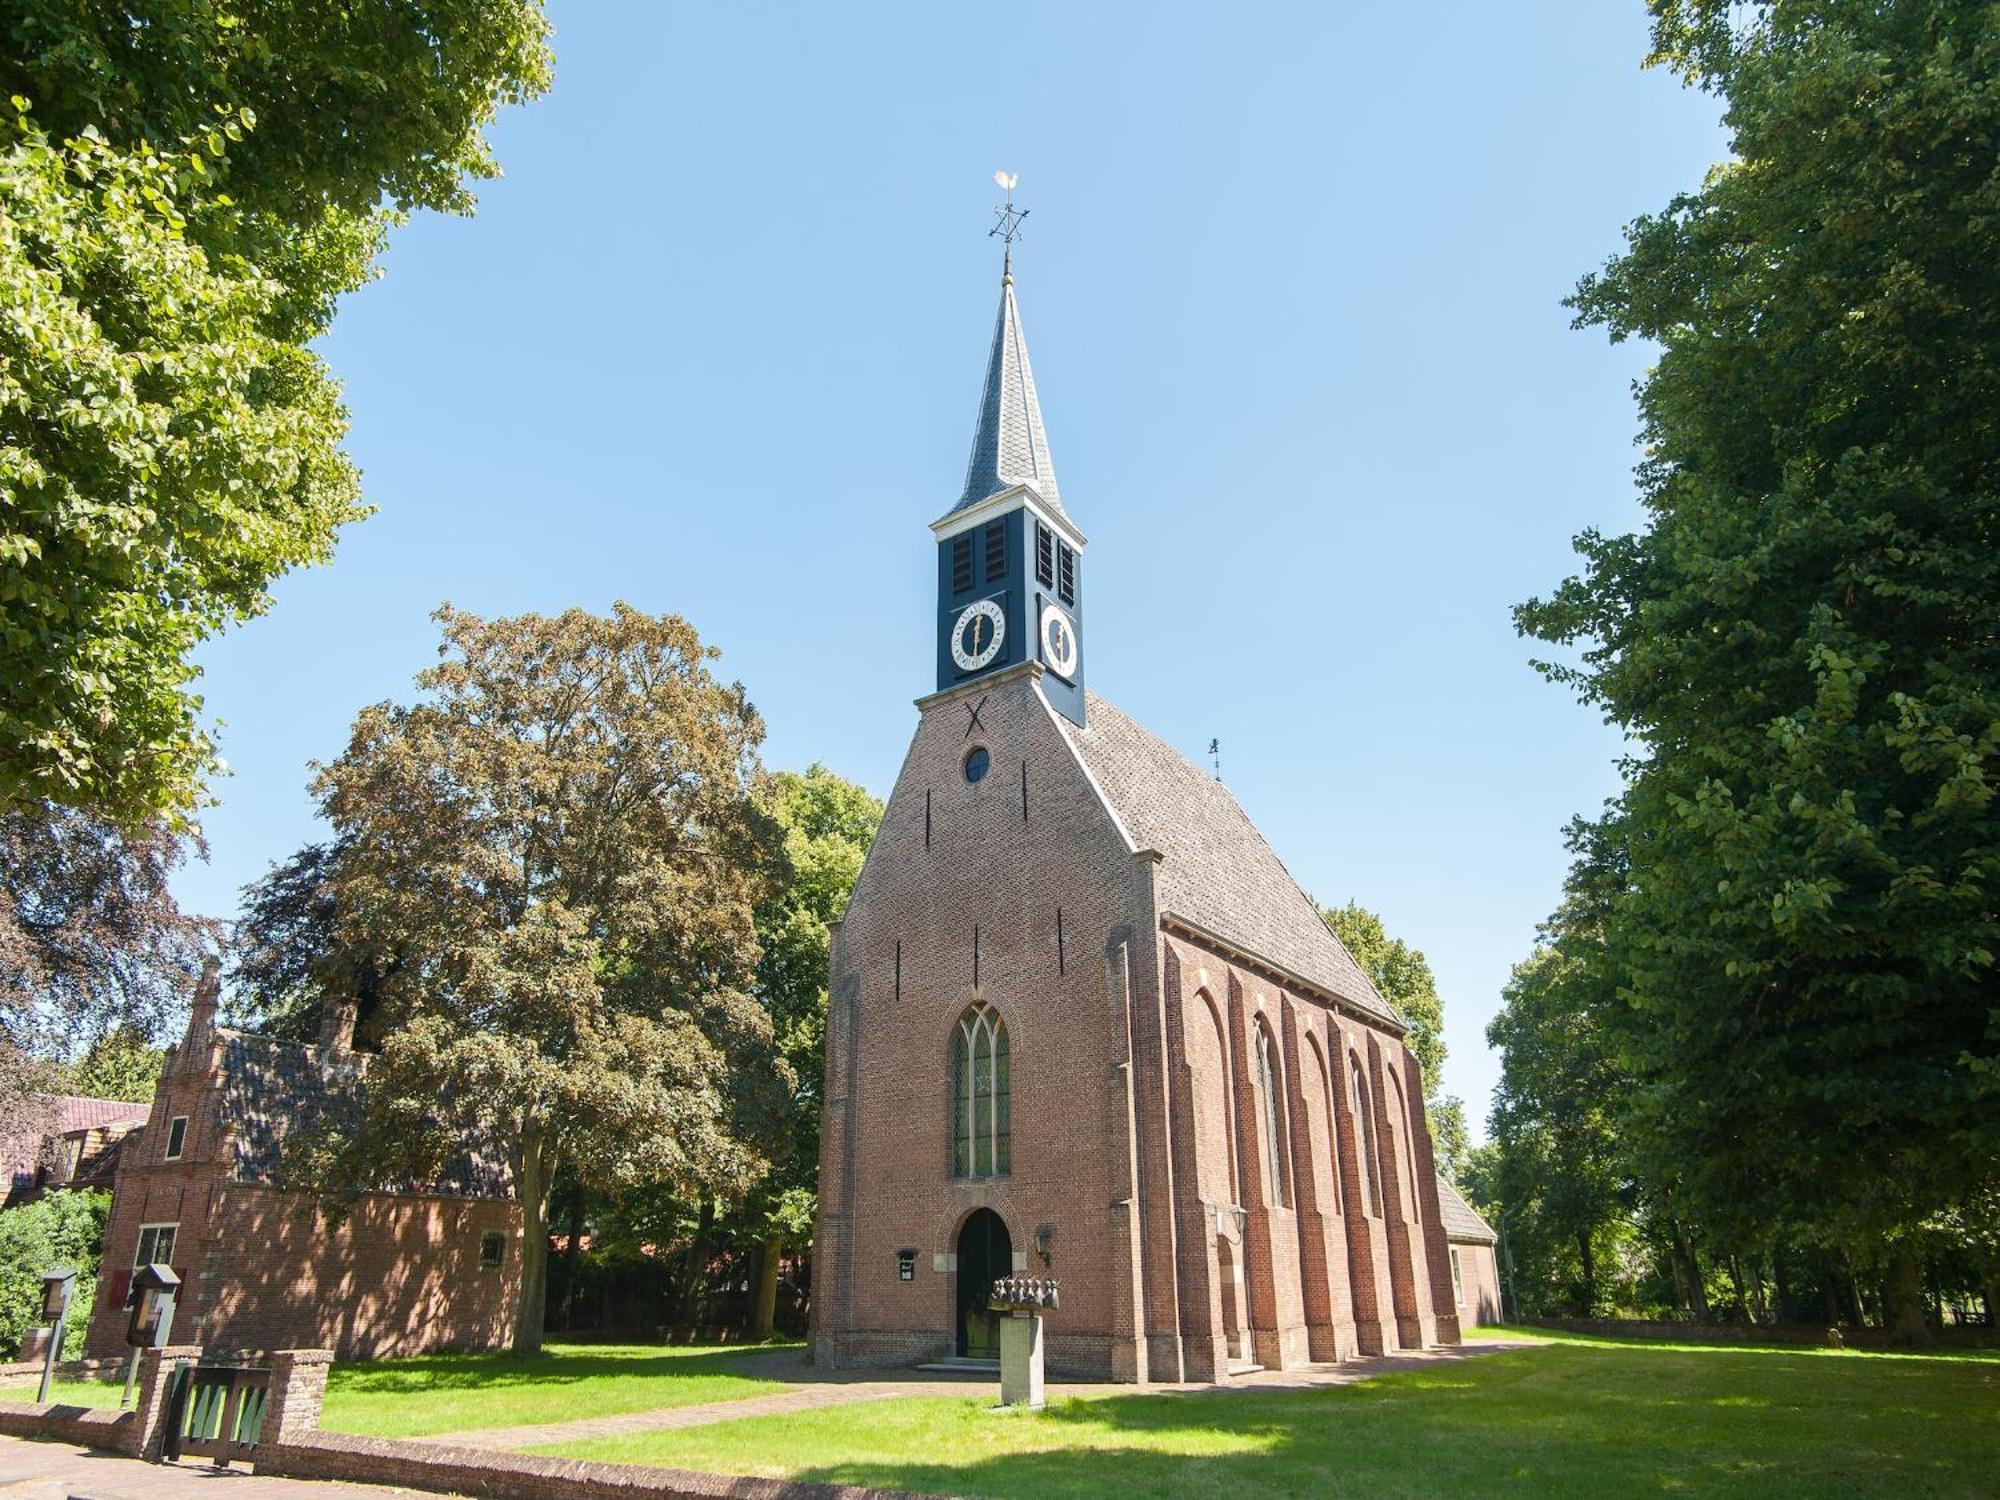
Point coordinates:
[(1084, 1024)]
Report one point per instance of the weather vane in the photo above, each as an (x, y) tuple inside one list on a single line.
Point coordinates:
[(1007, 219)]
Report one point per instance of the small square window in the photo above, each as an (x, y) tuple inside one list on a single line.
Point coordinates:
[(906, 1265), (177, 1134), (492, 1250)]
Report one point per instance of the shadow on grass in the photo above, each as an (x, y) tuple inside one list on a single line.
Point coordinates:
[(1556, 1421)]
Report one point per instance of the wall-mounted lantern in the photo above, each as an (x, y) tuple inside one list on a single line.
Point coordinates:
[(1045, 1242), (58, 1282)]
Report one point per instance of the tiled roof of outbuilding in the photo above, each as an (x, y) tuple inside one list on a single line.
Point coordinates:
[(272, 1090), (1461, 1220), (1219, 873)]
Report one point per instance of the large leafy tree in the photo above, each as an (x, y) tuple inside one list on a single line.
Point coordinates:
[(95, 956), (1801, 642), (185, 191), (564, 844), (1404, 977), (827, 823)]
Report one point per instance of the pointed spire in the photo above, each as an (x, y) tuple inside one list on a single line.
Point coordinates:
[(1009, 447)]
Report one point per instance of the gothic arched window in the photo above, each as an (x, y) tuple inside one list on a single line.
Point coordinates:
[(981, 1114), (1267, 1102), (1367, 1141)]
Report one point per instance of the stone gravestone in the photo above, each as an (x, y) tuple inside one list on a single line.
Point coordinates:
[(1023, 1300)]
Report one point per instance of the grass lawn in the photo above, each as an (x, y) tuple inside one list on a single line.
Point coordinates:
[(67, 1392), (436, 1393), (1572, 1418)]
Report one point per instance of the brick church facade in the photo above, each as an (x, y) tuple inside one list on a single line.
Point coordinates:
[(1083, 1023)]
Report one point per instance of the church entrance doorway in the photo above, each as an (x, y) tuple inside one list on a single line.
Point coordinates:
[(985, 1254)]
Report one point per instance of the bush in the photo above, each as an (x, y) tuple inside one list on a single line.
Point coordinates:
[(60, 1229)]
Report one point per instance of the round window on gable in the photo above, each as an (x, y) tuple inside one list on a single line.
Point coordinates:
[(977, 763)]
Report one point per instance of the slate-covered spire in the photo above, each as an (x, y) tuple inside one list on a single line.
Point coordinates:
[(1010, 446)]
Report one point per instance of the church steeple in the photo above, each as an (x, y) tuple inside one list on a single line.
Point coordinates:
[(1010, 560), (1009, 445)]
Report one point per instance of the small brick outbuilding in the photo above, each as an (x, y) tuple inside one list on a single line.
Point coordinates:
[(202, 1188)]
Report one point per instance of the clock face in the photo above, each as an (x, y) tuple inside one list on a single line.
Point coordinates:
[(1058, 641), (977, 635)]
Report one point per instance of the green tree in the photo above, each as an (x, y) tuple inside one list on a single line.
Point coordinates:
[(92, 944), (1801, 642), (1404, 977), (827, 824), (121, 1064), (58, 1229), (565, 845), (185, 192)]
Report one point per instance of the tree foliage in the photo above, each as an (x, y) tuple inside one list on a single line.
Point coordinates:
[(58, 1229), (1801, 643), (1404, 977), (564, 845), (92, 944), (185, 191)]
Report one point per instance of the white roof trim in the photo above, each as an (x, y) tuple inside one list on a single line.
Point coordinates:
[(1002, 501)]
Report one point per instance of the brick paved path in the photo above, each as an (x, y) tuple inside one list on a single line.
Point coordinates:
[(56, 1471), (817, 1388)]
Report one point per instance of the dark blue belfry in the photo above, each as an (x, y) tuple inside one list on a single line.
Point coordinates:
[(1010, 560)]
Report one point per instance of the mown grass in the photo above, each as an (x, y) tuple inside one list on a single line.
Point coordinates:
[(437, 1393), (66, 1392), (1581, 1418)]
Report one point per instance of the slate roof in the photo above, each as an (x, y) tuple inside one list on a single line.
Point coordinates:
[(272, 1089), (1219, 874), (1461, 1220), (1009, 446)]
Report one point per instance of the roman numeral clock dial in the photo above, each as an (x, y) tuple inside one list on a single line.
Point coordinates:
[(977, 636)]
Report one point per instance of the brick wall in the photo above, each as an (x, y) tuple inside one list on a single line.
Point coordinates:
[(265, 1269), (1139, 1121)]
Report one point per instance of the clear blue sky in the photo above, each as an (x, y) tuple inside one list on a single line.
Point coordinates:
[(1291, 281)]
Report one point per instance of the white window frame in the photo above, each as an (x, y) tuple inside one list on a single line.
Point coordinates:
[(173, 1153), (139, 1244), (1457, 1278)]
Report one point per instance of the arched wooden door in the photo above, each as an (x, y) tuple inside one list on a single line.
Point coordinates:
[(985, 1254)]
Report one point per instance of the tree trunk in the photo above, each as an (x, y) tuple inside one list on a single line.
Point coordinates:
[(1828, 1278), (1854, 1287), (1684, 1247), (570, 1257), (1903, 1307), (1736, 1280), (1589, 1273), (696, 1264), (1787, 1312), (531, 1302), (764, 1290)]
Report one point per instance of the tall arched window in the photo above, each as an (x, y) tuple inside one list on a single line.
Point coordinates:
[(1366, 1116), (1267, 1103), (982, 1119)]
